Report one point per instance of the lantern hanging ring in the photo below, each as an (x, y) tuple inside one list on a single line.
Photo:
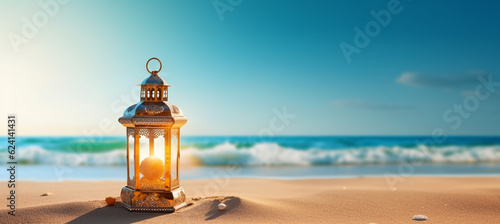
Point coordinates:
[(153, 72)]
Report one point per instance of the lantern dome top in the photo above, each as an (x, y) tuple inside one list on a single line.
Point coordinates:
[(154, 108), (154, 79)]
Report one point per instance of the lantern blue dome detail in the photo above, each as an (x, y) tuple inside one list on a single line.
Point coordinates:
[(154, 79)]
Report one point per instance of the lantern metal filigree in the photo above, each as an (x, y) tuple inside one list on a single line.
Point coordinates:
[(153, 149)]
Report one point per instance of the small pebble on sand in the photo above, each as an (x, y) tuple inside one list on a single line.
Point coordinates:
[(419, 217), (221, 206), (47, 194), (110, 200)]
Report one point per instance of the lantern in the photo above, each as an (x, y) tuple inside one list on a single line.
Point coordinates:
[(153, 149)]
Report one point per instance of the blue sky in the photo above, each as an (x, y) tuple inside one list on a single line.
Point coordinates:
[(78, 71)]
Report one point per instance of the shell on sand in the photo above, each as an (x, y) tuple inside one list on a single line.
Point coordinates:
[(47, 194), (419, 217), (221, 206)]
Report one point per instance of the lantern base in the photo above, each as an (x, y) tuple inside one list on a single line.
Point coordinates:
[(153, 201)]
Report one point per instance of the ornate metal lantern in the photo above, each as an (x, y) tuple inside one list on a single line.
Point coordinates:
[(153, 149)]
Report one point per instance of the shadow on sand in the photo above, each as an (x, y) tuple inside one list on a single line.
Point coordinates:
[(231, 203), (114, 214), (118, 214)]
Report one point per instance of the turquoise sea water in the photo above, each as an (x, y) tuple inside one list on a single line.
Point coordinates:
[(98, 158)]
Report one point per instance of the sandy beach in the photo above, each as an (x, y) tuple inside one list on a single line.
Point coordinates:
[(356, 200)]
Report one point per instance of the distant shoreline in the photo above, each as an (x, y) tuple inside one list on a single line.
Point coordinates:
[(103, 173)]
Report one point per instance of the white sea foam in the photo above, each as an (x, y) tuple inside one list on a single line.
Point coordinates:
[(38, 155), (271, 154)]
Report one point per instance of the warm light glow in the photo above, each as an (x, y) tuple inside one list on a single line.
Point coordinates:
[(152, 168)]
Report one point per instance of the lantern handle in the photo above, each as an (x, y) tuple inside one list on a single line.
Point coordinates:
[(153, 72)]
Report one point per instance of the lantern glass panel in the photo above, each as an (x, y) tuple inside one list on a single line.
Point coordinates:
[(131, 164), (159, 152), (160, 148), (143, 154), (173, 156), (152, 160)]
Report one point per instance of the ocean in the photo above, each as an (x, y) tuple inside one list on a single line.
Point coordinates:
[(103, 158)]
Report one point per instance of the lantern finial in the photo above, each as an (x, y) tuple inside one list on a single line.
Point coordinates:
[(153, 72)]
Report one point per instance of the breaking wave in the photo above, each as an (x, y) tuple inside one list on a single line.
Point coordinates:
[(271, 154), (219, 151)]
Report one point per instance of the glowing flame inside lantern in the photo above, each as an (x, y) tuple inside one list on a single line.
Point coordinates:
[(152, 168)]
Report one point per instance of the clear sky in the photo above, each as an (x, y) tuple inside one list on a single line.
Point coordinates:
[(73, 68)]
